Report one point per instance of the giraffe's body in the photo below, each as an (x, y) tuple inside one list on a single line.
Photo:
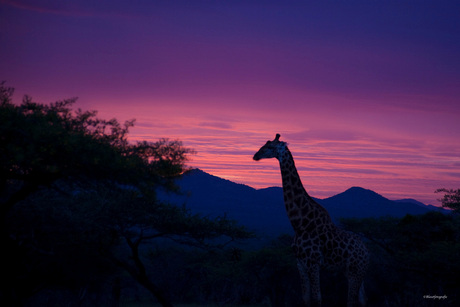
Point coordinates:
[(318, 241)]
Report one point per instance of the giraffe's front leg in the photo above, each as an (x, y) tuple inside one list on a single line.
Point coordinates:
[(305, 282), (311, 291), (315, 284)]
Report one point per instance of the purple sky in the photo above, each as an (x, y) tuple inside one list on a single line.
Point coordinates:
[(365, 92)]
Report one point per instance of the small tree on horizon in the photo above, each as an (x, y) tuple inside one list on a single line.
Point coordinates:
[(451, 199)]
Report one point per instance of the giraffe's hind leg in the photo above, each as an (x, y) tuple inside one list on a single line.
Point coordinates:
[(355, 276), (356, 294), (362, 295), (357, 267)]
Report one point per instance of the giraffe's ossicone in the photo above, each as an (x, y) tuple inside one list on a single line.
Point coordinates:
[(318, 241)]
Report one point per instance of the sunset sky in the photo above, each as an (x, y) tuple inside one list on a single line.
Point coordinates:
[(366, 93)]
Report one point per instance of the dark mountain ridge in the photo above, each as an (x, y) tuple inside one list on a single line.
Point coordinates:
[(359, 202), (263, 210)]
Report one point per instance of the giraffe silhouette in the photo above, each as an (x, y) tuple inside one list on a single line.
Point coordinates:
[(318, 242)]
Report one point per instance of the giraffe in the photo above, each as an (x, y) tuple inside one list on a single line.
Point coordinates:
[(318, 242)]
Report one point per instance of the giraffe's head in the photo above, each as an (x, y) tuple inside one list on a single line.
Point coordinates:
[(271, 149)]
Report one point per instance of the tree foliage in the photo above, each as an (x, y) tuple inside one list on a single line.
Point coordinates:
[(75, 193), (42, 143)]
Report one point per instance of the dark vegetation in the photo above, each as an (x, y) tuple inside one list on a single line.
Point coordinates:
[(412, 257), (78, 204), (81, 226)]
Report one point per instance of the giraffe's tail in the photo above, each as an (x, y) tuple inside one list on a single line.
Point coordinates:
[(362, 295)]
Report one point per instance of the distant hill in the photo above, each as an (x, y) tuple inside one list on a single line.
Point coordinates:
[(431, 207), (259, 210), (359, 202), (263, 210)]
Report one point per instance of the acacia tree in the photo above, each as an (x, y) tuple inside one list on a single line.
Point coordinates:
[(43, 143), (82, 189), (451, 199)]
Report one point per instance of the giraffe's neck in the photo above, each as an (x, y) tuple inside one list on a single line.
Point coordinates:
[(296, 199), (290, 176)]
